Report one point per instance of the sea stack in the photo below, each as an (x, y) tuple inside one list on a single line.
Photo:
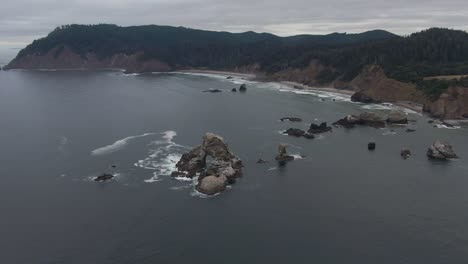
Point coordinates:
[(223, 169)]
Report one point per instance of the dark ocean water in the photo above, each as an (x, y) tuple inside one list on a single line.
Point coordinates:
[(340, 204)]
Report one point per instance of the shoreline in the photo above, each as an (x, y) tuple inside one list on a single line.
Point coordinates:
[(248, 76), (298, 86)]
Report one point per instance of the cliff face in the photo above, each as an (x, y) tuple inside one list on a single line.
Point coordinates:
[(305, 76), (452, 104), (375, 84), (65, 58)]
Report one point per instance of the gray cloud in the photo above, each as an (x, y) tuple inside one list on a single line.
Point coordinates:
[(22, 21)]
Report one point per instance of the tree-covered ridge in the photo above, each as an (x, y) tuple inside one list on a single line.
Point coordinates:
[(185, 46), (431, 52)]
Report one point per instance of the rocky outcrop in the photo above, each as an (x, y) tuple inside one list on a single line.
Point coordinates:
[(452, 104), (212, 91), (405, 153), (441, 151), (372, 83), (365, 119), (295, 132), (318, 129), (361, 97), (63, 57), (104, 177), (397, 117), (224, 165), (212, 185), (291, 119), (283, 154)]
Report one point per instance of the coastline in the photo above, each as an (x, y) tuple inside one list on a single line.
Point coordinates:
[(298, 86), (221, 73)]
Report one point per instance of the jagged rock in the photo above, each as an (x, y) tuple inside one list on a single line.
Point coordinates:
[(283, 154), (191, 163), (348, 121), (104, 177), (234, 90), (405, 153), (243, 88), (212, 91), (224, 164), (397, 117), (441, 151), (211, 185), (291, 119), (371, 146), (295, 132), (363, 98), (309, 136), (317, 129)]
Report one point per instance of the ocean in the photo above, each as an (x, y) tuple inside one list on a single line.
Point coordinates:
[(338, 203)]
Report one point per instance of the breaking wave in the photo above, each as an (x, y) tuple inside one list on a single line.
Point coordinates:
[(117, 145), (163, 156)]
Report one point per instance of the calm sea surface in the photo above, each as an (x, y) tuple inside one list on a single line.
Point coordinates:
[(339, 204)]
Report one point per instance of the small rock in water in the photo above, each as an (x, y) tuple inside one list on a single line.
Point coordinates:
[(283, 156), (261, 161), (234, 90), (410, 130), (405, 153), (371, 146), (291, 119), (295, 132), (212, 91), (318, 129), (229, 77), (243, 88), (441, 151), (104, 177)]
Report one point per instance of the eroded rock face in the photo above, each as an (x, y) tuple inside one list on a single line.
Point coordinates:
[(441, 151), (397, 117), (224, 165), (452, 104), (361, 97)]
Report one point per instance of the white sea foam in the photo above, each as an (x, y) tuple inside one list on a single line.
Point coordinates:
[(446, 127), (319, 94), (116, 146), (163, 156)]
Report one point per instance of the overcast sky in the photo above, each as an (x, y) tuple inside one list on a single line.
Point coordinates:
[(22, 21)]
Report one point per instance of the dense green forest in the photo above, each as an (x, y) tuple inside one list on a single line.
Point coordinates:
[(431, 52)]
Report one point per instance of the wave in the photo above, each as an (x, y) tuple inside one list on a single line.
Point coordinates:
[(319, 94), (117, 145), (446, 127), (163, 156)]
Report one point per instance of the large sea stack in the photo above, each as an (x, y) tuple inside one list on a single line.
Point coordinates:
[(214, 174)]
